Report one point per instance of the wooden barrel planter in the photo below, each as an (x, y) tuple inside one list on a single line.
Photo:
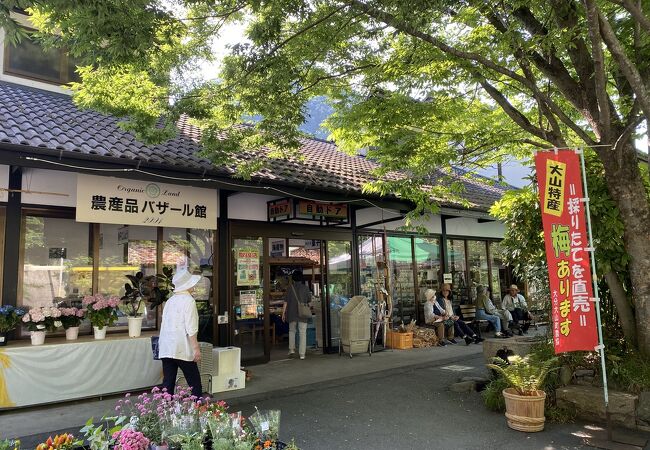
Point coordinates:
[(525, 412)]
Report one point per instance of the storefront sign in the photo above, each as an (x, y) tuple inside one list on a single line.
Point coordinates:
[(338, 211), (565, 236), (277, 248), (137, 202), (248, 268), (279, 209)]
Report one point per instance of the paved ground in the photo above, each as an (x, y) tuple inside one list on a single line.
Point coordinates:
[(392, 400)]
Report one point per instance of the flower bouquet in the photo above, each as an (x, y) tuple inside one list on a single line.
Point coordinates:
[(128, 439), (71, 319), (59, 442), (266, 424), (10, 316), (102, 312), (40, 319)]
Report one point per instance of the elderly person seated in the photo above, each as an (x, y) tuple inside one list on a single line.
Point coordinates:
[(461, 329), (485, 310), (435, 317), (516, 304)]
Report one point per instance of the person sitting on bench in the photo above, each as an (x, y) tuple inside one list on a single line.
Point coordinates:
[(461, 329), (434, 317), (516, 304), (485, 310)]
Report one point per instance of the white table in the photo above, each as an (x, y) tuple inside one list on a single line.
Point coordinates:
[(63, 370)]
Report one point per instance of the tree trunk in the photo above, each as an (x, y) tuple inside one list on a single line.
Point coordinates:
[(628, 192), (623, 307)]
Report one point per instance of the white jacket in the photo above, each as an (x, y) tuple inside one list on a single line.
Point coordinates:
[(180, 320)]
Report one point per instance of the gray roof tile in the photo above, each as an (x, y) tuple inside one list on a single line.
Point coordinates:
[(39, 119)]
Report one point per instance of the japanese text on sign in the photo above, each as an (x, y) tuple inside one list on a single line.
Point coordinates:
[(560, 190), (334, 211)]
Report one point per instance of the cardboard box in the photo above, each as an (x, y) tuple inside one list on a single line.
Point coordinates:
[(228, 382)]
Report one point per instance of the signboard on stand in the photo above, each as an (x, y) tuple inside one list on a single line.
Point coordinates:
[(567, 252)]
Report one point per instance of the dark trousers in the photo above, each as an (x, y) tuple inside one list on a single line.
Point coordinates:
[(462, 329), (190, 371)]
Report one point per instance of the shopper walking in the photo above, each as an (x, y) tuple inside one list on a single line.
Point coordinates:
[(178, 344), (296, 292)]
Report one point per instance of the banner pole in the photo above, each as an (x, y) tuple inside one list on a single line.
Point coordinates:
[(601, 344)]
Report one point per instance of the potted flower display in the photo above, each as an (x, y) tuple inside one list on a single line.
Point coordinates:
[(525, 397), (71, 319), (59, 442), (40, 319), (102, 313), (10, 316), (154, 289)]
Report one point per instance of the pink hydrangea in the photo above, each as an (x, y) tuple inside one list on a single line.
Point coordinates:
[(128, 439)]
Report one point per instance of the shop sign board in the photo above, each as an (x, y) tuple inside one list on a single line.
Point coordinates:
[(566, 242), (337, 211), (277, 248), (139, 202), (278, 210), (248, 267)]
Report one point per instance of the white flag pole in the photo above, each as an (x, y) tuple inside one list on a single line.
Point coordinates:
[(592, 250)]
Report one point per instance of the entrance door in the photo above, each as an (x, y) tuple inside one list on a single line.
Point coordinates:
[(338, 289), (249, 318)]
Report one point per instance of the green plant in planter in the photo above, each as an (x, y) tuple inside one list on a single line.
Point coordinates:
[(524, 374), (10, 317), (9, 444), (100, 437), (153, 289)]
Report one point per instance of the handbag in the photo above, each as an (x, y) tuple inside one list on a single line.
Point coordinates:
[(304, 311)]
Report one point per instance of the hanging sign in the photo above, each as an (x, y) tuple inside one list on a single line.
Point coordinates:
[(279, 210), (565, 237), (248, 268), (337, 211), (137, 202)]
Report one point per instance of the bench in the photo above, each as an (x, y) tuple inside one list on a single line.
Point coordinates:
[(468, 314)]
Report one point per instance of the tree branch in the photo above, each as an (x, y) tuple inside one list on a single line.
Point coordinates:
[(628, 69), (636, 13), (604, 117)]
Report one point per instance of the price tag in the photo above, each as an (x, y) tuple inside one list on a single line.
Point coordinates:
[(264, 426)]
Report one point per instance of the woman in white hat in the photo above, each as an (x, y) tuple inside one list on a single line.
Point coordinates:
[(178, 344)]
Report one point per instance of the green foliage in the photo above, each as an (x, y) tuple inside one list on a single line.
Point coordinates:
[(154, 289), (100, 436), (493, 394), (629, 372), (9, 444), (525, 374)]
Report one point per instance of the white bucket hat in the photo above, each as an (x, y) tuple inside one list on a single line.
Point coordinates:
[(183, 280), (429, 294)]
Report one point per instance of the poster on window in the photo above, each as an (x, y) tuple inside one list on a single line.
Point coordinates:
[(248, 268), (140, 202), (248, 303), (565, 237)]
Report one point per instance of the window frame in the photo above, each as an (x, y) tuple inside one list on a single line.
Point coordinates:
[(63, 65)]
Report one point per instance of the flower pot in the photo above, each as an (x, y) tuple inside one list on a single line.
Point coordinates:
[(4, 337), (135, 326), (525, 412), (38, 337), (72, 333), (100, 333)]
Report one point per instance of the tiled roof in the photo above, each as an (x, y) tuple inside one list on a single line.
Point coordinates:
[(38, 119)]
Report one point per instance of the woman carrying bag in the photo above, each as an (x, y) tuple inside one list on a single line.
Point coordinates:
[(296, 312)]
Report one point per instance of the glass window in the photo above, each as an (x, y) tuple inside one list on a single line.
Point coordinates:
[(339, 283), (401, 279), (28, 58), (193, 249), (458, 270), (499, 271), (478, 266), (429, 267), (57, 262), (370, 259), (2, 246), (126, 250)]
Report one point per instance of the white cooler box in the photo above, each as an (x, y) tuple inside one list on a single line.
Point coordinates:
[(228, 382), (226, 360)]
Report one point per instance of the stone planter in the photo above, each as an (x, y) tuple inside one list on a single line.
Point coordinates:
[(71, 333), (135, 326), (525, 412), (99, 333), (38, 337)]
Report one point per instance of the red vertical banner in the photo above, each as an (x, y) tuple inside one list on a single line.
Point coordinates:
[(565, 237)]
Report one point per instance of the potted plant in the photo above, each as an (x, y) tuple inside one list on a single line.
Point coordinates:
[(9, 444), (40, 319), (525, 397), (71, 319), (10, 316), (59, 442), (153, 289), (102, 313)]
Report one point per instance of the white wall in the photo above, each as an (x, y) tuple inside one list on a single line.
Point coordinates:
[(52, 182), (465, 226), (247, 206), (4, 183), (369, 215)]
